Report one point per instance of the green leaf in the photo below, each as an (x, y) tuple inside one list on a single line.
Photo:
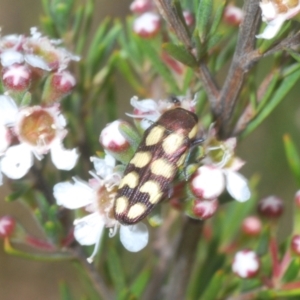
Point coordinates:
[(292, 270), (213, 288), (203, 16), (116, 271), (293, 157), (180, 53), (130, 134), (217, 18), (140, 283), (293, 54), (159, 67), (18, 194), (213, 261), (214, 40), (270, 89), (286, 85), (125, 68), (65, 292)]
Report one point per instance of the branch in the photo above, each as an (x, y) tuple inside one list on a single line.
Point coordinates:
[(244, 57), (184, 259), (287, 43), (169, 12)]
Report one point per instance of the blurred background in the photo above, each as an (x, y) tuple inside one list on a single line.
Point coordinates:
[(263, 152)]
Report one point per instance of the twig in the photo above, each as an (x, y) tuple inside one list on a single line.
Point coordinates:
[(244, 57), (287, 43), (184, 259), (170, 14)]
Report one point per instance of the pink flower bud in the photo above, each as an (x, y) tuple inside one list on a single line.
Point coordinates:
[(270, 207), (246, 264), (147, 25), (7, 226), (141, 6), (252, 226), (205, 209), (111, 138), (16, 77), (297, 199), (295, 244), (233, 15), (208, 182), (57, 86), (188, 17)]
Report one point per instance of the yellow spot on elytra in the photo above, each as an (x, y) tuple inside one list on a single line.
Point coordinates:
[(181, 159), (172, 142), (155, 135), (131, 179), (161, 167), (153, 189), (121, 204), (141, 159), (193, 132), (136, 210)]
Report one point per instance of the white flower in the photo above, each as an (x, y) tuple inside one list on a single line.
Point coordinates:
[(147, 24), (148, 111), (275, 14), (220, 171), (209, 182), (97, 197), (39, 130), (36, 50)]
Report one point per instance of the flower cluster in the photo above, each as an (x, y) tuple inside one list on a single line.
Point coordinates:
[(218, 171), (275, 13), (28, 130), (119, 141)]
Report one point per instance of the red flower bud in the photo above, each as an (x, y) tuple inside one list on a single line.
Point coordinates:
[(7, 226)]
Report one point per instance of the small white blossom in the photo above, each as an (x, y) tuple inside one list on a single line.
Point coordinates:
[(148, 111), (36, 50), (147, 25), (275, 13), (236, 184), (39, 130), (97, 197)]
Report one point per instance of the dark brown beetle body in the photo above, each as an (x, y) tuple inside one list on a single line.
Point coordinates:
[(147, 177)]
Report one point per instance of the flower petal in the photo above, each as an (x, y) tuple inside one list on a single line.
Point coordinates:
[(10, 57), (62, 158), (104, 167), (272, 28), (88, 230), (73, 195), (17, 161), (8, 110), (237, 186), (134, 237), (37, 62)]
